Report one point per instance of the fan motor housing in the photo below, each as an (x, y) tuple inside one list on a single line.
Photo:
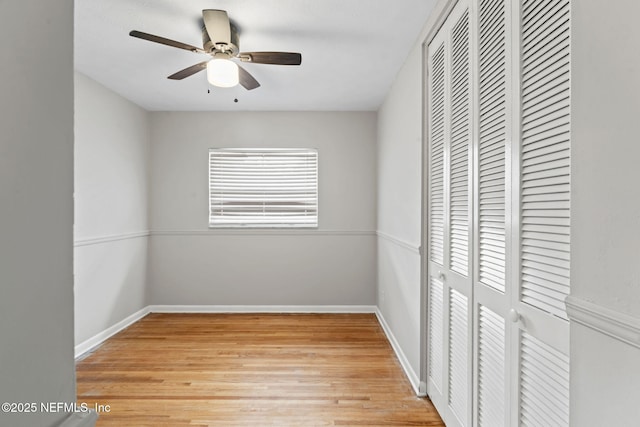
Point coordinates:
[(232, 48)]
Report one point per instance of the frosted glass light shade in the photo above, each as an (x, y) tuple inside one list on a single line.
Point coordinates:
[(222, 73)]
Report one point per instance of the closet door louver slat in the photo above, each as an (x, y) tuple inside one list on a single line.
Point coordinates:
[(436, 166), (436, 339), (491, 351), (544, 384), (492, 140), (545, 152), (458, 354), (460, 141)]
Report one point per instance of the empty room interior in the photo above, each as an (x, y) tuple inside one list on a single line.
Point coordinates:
[(424, 212)]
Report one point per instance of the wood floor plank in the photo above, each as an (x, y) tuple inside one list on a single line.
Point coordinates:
[(251, 370)]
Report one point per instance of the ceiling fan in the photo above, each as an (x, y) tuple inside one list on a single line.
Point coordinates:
[(220, 40)]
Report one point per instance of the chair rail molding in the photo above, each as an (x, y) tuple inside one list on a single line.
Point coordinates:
[(110, 238), (621, 326), (399, 242)]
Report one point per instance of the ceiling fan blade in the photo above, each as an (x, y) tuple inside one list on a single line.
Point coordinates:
[(189, 71), (278, 58), (247, 80), (164, 41), (218, 26)]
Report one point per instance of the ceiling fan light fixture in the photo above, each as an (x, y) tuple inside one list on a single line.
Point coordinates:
[(222, 72)]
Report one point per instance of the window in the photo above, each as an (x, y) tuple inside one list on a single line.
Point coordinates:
[(263, 187)]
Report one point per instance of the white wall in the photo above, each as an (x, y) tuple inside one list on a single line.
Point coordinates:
[(36, 208), (111, 220), (605, 247), (399, 208), (333, 265)]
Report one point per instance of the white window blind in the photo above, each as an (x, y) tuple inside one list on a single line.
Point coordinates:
[(263, 187)]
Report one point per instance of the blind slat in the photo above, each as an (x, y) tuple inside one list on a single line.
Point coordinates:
[(263, 187)]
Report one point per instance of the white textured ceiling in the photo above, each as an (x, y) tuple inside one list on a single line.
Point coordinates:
[(351, 51)]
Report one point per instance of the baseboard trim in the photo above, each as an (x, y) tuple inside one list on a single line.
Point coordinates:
[(86, 346), (402, 358), (262, 308), (621, 326), (81, 419)]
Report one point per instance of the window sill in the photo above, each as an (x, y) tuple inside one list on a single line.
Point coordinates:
[(262, 227)]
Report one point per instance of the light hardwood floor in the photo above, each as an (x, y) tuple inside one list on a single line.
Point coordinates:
[(251, 370)]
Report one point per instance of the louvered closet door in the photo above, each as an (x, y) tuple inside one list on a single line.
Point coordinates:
[(499, 213), (522, 231), (542, 198), (492, 290), (450, 208)]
